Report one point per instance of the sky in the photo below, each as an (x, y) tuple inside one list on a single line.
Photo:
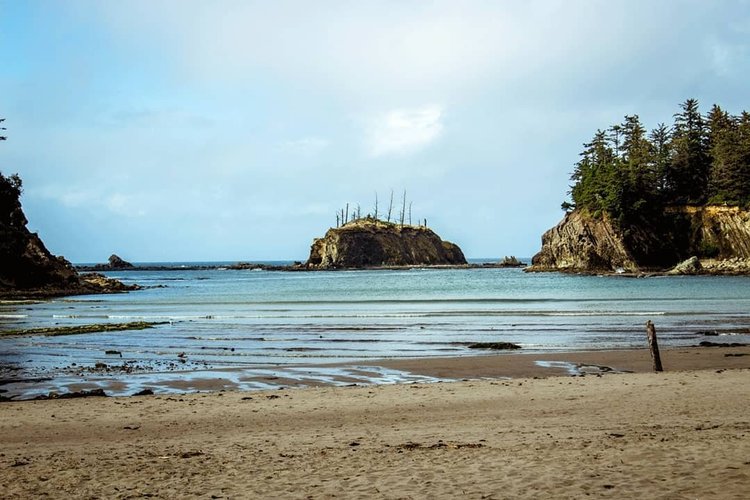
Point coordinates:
[(234, 130)]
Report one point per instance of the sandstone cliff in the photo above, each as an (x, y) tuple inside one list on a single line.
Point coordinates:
[(717, 235), (374, 243), (583, 243), (27, 268)]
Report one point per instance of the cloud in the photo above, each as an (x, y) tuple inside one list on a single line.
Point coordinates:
[(402, 131)]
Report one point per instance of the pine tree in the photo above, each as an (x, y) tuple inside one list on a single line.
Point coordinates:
[(661, 157), (743, 157), (724, 185), (593, 174), (690, 167)]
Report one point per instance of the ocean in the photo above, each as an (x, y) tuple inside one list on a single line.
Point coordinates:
[(253, 327)]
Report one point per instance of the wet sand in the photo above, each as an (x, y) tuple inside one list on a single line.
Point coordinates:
[(571, 363), (679, 434)]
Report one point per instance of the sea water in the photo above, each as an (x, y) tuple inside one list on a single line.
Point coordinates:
[(279, 321)]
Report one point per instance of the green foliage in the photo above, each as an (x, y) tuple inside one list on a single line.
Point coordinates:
[(11, 188), (632, 176), (709, 249)]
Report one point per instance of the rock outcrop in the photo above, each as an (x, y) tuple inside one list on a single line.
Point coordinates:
[(27, 268), (582, 243), (511, 261), (687, 267), (718, 236), (374, 243), (115, 263)]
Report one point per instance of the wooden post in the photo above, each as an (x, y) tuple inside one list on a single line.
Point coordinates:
[(653, 346)]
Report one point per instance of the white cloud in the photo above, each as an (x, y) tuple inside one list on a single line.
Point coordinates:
[(401, 131)]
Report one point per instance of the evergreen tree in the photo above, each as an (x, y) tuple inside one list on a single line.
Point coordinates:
[(593, 174), (689, 171), (637, 174), (743, 157), (723, 152), (632, 176), (661, 157)]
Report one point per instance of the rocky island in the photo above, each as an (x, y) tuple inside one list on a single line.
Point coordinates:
[(369, 242), (27, 268), (673, 201)]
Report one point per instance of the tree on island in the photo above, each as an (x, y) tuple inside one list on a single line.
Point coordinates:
[(404, 215), (11, 188), (632, 175)]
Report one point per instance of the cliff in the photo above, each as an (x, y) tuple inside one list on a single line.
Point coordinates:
[(719, 236), (27, 268), (374, 243)]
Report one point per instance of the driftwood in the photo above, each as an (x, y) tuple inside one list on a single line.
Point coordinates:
[(653, 346)]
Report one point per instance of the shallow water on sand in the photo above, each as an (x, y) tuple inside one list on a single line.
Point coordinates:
[(270, 320)]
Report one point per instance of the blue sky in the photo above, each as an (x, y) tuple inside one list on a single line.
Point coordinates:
[(234, 130)]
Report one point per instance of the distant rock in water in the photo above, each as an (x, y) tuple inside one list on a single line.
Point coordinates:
[(375, 243), (27, 268), (115, 262), (511, 261), (718, 236)]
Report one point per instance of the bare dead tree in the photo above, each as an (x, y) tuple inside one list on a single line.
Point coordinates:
[(410, 213), (403, 208), (390, 207), (346, 218), (376, 205), (359, 212), (337, 218)]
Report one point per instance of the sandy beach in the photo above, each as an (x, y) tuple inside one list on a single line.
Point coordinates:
[(678, 434)]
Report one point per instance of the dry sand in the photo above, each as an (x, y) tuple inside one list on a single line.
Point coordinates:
[(679, 434)]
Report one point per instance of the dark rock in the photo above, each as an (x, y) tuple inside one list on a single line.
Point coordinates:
[(494, 345), (374, 243), (71, 395), (115, 262), (511, 261), (706, 343), (144, 392)]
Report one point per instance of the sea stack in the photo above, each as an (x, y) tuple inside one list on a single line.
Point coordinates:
[(369, 242), (114, 263)]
